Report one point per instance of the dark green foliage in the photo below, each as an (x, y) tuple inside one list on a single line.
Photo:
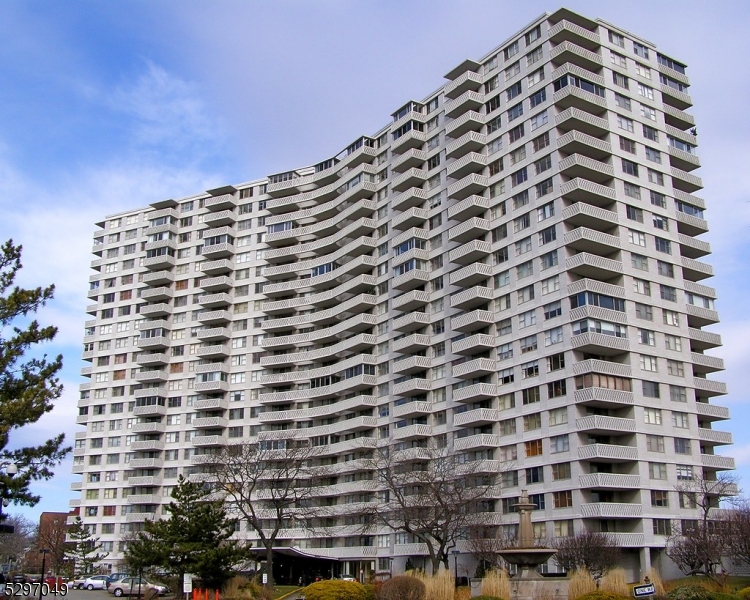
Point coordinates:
[(403, 587), (485, 597), (83, 548), (744, 593), (335, 590), (27, 387), (194, 539), (689, 592)]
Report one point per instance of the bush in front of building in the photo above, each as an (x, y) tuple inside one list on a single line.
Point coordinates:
[(335, 590), (486, 597), (602, 595), (403, 587), (744, 593), (698, 592)]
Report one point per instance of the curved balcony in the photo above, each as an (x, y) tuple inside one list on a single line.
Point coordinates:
[(359, 228), (411, 364), (326, 410), (352, 249), (411, 178), (474, 344), (358, 266), (470, 275), (357, 304), (470, 252), (469, 142), (480, 440), (356, 343), (357, 285), (474, 368), (353, 384), (411, 321), (411, 300), (412, 197), (356, 324), (410, 280), (469, 100), (469, 185), (607, 452), (335, 369), (411, 343), (578, 165), (470, 121), (475, 393), (462, 84), (411, 432), (576, 119), (471, 298), (470, 229), (411, 387), (412, 217), (478, 416), (412, 158), (476, 319), (611, 510), (411, 139), (610, 481)]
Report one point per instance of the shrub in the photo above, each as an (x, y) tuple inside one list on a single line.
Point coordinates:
[(602, 595), (401, 587), (496, 583), (581, 582), (744, 593), (437, 587), (655, 578), (614, 581), (335, 590), (689, 592)]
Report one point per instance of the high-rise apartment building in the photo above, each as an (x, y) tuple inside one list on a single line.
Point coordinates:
[(511, 267)]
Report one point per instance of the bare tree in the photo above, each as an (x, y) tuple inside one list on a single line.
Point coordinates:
[(698, 546), (432, 496), (739, 532), (271, 484), (596, 551), (53, 537), (484, 543), (14, 545)]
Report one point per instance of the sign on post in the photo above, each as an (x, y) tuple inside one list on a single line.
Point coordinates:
[(187, 583), (265, 578), (639, 591)]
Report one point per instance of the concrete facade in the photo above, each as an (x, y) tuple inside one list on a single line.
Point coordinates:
[(512, 267)]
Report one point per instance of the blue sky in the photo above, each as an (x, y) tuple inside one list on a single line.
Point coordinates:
[(106, 106)]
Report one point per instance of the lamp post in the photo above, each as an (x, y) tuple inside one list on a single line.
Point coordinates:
[(455, 566), (43, 552)]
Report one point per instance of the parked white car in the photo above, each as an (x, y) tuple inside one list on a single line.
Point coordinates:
[(96, 582)]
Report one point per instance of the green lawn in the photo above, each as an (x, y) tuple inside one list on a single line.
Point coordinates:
[(282, 590), (733, 583)]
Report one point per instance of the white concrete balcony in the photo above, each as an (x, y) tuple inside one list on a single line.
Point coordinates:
[(413, 177), (574, 97), (690, 224), (584, 239), (471, 298), (470, 252), (212, 404), (605, 425), (470, 229), (214, 317), (408, 160), (358, 323), (598, 343), (334, 369), (143, 499), (411, 280), (565, 31), (480, 440), (157, 358), (478, 416), (714, 461), (215, 334), (350, 250), (683, 160), (593, 266), (578, 165), (158, 278), (325, 410), (608, 452), (473, 344), (468, 81), (690, 246), (700, 317), (702, 363), (221, 202), (210, 423), (410, 198), (470, 321), (475, 393), (573, 53), (469, 100), (155, 375), (695, 270), (469, 121), (157, 427), (610, 480), (611, 510), (411, 139), (582, 214), (211, 386), (597, 312), (355, 343), (411, 321), (470, 275), (677, 118), (352, 384), (412, 409), (209, 440), (411, 387), (411, 300), (217, 267), (208, 458), (474, 368), (215, 300), (712, 412), (714, 437), (147, 446), (411, 432), (329, 298), (146, 463), (294, 184), (158, 342), (411, 343), (140, 517), (220, 218), (411, 364), (471, 184), (469, 142), (576, 119), (592, 365), (157, 390), (707, 387), (151, 410), (214, 351), (412, 217), (221, 283)]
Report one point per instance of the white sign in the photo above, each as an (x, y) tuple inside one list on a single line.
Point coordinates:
[(265, 578), (644, 590), (187, 584)]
